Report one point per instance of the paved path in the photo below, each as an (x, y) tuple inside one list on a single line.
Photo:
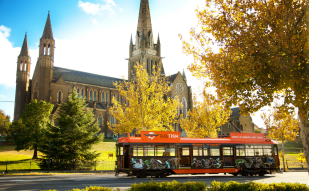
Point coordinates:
[(68, 182)]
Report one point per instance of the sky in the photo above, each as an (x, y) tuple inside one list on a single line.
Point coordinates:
[(93, 36)]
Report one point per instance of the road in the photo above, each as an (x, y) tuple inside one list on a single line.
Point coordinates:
[(70, 181)]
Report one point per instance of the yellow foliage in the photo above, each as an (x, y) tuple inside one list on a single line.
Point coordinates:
[(146, 106), (205, 118), (281, 125)]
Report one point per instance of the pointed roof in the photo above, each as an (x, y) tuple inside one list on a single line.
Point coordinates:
[(144, 20), (158, 42), (48, 33), (131, 42), (24, 49), (184, 74)]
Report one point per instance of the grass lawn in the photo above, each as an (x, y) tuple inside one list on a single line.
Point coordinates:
[(7, 153)]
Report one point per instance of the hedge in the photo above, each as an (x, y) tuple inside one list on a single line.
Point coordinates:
[(200, 186)]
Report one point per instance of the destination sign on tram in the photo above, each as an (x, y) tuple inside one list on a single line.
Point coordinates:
[(251, 137), (160, 136)]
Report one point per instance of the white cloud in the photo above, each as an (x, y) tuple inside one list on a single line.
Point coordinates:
[(2, 96), (94, 21), (97, 9)]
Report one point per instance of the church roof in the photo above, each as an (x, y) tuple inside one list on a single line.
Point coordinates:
[(171, 78), (235, 111), (84, 77), (24, 49), (48, 33)]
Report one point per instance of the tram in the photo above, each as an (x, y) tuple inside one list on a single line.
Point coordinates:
[(160, 154)]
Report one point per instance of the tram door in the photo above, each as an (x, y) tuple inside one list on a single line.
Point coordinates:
[(228, 156), (185, 157), (126, 156)]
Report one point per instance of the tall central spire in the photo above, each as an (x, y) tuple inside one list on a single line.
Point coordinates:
[(144, 20), (24, 49)]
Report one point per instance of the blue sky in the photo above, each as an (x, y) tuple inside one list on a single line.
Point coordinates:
[(91, 36)]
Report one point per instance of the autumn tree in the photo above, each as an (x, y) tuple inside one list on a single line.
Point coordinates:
[(253, 52), (30, 129), (146, 106), (281, 125), (206, 117), (5, 122), (75, 133)]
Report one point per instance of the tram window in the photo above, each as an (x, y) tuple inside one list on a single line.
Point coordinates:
[(228, 151), (214, 152), (138, 150), (258, 152), (197, 151), (267, 152), (120, 150), (249, 150), (170, 150), (240, 150), (148, 150), (206, 151), (185, 151), (159, 150)]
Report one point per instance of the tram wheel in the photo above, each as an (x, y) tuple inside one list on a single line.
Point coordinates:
[(163, 174), (244, 173), (141, 175), (235, 174), (261, 173)]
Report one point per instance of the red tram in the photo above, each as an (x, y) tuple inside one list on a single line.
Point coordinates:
[(160, 154)]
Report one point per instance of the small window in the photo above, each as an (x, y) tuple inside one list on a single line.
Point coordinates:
[(82, 96), (159, 150), (214, 152), (138, 150), (106, 97), (197, 151), (118, 97), (112, 121), (229, 125), (100, 121), (90, 95), (77, 92), (240, 150), (170, 150), (205, 151), (102, 97), (148, 150), (227, 151), (59, 97), (94, 96), (249, 150), (120, 150), (185, 151)]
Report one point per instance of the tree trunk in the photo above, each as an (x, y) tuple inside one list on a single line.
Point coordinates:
[(283, 153), (35, 152), (304, 133)]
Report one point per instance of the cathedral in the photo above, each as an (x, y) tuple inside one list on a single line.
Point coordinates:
[(53, 84)]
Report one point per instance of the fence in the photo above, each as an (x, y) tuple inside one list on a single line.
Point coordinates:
[(38, 165), (294, 164)]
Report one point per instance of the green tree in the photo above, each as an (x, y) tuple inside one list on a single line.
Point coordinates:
[(257, 131), (30, 129), (75, 133), (254, 52), (5, 122), (206, 117), (146, 108)]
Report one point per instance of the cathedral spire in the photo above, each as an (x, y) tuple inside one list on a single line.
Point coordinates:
[(131, 42), (24, 49), (48, 33), (144, 20), (158, 41)]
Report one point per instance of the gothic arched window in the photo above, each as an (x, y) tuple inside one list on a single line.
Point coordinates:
[(103, 97), (100, 121), (59, 97), (106, 97), (90, 95), (77, 92), (82, 94), (94, 95)]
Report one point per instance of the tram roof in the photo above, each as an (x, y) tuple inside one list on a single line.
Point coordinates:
[(234, 138)]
